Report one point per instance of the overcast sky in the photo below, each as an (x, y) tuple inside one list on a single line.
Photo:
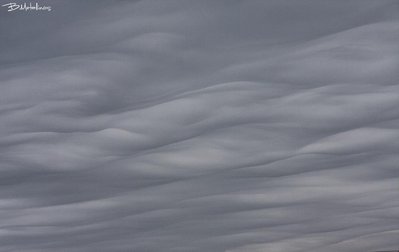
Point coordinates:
[(200, 126)]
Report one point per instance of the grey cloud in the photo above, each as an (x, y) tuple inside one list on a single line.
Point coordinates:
[(200, 126)]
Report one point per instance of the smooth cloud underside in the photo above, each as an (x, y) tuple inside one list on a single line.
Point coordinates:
[(200, 126)]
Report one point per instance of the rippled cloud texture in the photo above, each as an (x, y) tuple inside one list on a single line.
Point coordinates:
[(200, 126)]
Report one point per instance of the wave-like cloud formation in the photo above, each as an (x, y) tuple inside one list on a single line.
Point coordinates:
[(200, 126)]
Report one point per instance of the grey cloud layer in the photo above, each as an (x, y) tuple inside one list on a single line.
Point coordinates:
[(200, 126)]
